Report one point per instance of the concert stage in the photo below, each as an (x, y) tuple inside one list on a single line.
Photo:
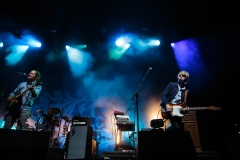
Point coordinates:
[(200, 155), (17, 144), (151, 145), (162, 145), (22, 144)]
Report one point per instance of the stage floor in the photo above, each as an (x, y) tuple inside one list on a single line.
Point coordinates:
[(131, 155)]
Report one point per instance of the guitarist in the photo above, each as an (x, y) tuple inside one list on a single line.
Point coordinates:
[(174, 93), (20, 110)]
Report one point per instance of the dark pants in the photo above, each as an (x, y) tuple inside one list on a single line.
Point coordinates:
[(16, 116), (176, 124)]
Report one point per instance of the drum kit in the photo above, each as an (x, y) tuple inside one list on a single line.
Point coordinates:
[(58, 126)]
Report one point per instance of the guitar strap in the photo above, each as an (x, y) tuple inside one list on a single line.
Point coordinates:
[(185, 96)]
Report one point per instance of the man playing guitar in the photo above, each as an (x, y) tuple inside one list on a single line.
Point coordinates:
[(175, 93), (21, 101)]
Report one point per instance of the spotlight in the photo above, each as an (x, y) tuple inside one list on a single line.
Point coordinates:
[(120, 42), (157, 42), (1, 44), (34, 43), (154, 43), (38, 44), (172, 44)]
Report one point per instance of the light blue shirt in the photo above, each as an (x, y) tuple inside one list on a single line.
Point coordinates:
[(177, 98), (27, 99)]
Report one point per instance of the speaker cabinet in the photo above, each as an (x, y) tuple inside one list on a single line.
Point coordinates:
[(191, 125), (79, 144), (165, 145), (19, 144)]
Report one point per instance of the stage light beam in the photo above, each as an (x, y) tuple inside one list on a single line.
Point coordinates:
[(16, 53), (79, 47), (79, 61), (32, 42), (117, 53), (74, 55)]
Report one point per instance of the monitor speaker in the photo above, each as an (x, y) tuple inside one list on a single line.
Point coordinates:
[(165, 145), (19, 144), (79, 145)]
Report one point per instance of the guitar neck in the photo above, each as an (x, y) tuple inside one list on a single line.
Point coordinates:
[(199, 108), (37, 84), (27, 90), (21, 94), (195, 108)]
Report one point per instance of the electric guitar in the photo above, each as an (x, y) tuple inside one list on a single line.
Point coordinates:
[(18, 99), (178, 110)]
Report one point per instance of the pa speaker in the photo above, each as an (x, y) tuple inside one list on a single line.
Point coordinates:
[(79, 145), (19, 144), (165, 145)]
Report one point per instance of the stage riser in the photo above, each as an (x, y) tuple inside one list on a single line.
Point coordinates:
[(23, 144)]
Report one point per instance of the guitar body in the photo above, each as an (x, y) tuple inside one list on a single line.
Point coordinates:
[(175, 110), (14, 103)]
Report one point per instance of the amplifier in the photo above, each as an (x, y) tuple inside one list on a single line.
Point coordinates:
[(77, 120)]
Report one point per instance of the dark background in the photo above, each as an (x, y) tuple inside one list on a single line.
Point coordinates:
[(214, 25)]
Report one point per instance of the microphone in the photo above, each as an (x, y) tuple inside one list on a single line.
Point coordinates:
[(22, 74), (150, 68)]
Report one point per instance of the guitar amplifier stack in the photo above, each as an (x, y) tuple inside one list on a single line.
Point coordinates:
[(79, 143), (78, 120)]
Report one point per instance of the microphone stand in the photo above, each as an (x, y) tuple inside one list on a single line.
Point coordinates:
[(2, 91), (137, 95)]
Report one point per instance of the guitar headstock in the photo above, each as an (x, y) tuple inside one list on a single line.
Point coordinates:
[(214, 108)]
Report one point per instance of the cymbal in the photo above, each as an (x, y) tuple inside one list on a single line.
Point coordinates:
[(53, 110), (66, 118)]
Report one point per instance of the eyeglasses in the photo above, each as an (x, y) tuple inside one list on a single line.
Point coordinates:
[(182, 75)]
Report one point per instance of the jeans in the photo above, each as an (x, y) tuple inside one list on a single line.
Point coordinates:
[(20, 117), (176, 124)]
